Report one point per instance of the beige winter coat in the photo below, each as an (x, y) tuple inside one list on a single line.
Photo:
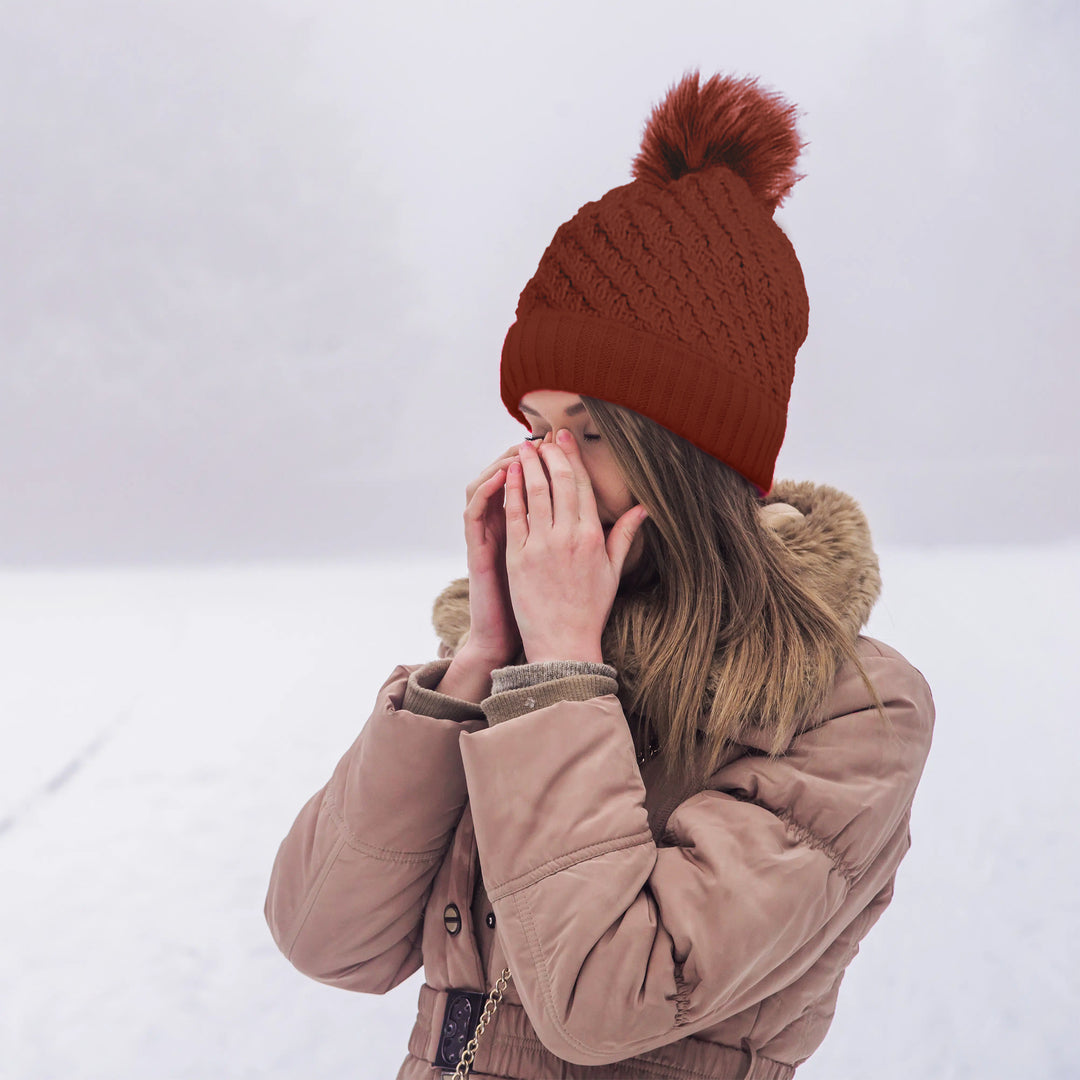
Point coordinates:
[(649, 933)]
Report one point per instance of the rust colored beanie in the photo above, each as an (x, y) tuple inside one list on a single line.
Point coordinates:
[(677, 295)]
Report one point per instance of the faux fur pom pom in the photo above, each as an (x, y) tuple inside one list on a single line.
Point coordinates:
[(729, 122)]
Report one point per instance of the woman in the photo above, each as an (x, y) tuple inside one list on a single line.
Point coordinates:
[(655, 789)]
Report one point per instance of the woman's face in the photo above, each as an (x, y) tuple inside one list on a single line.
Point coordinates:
[(549, 410)]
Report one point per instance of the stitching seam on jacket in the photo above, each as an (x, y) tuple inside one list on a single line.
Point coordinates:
[(313, 895), (532, 939), (371, 850), (521, 905), (682, 997), (811, 839), (571, 858)]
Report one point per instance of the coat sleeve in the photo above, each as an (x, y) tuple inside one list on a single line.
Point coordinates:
[(350, 880), (617, 945)]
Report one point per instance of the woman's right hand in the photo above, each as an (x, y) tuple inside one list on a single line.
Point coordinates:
[(493, 639)]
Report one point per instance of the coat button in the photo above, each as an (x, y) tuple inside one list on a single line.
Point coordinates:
[(490, 919), (451, 918)]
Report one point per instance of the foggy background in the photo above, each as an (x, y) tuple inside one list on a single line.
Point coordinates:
[(258, 259)]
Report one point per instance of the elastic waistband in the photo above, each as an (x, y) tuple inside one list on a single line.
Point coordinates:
[(509, 1049)]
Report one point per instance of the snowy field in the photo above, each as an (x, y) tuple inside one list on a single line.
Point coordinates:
[(161, 728)]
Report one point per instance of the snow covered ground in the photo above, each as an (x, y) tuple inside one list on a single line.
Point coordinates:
[(161, 728)]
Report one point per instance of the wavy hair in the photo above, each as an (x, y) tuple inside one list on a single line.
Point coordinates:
[(714, 627)]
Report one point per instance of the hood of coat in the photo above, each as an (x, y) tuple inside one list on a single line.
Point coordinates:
[(823, 531)]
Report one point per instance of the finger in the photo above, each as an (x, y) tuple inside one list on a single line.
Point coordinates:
[(478, 523), (517, 527), (508, 455), (537, 491), (491, 470), (510, 452), (564, 486), (477, 505), (586, 500), (622, 535)]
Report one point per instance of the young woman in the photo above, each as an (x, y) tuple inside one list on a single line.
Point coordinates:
[(655, 789)]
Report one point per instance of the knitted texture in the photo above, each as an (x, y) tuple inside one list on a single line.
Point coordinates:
[(515, 689), (517, 676), (677, 295), (510, 703), (422, 697)]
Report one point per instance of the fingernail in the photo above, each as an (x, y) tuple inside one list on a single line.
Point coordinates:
[(563, 436)]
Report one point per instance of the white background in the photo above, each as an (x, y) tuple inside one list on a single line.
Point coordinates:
[(169, 726), (258, 259), (256, 265)]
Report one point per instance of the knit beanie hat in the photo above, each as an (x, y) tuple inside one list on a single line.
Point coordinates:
[(677, 295)]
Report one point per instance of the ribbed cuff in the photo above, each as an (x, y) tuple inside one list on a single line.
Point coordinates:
[(525, 688), (420, 697), (517, 676)]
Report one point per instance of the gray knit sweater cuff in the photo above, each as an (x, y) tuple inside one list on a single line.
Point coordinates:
[(518, 676), (524, 688), (517, 689)]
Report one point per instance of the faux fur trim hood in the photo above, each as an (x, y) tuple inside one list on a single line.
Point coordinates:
[(823, 530)]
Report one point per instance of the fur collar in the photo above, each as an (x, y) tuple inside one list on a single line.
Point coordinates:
[(824, 532)]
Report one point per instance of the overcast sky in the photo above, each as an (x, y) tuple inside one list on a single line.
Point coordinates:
[(257, 260)]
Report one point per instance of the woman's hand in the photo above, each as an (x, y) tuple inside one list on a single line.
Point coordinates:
[(493, 634), (563, 574)]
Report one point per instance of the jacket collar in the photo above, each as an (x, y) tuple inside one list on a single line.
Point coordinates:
[(824, 533), (827, 536)]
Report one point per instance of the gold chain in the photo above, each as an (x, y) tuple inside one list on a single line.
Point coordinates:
[(494, 997)]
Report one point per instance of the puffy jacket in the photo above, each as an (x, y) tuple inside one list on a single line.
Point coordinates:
[(649, 932)]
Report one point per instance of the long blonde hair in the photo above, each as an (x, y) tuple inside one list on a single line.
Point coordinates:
[(713, 627)]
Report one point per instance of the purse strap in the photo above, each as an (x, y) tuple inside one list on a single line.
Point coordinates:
[(464, 1064)]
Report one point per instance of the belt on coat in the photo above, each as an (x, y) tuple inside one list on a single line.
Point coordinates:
[(509, 1047)]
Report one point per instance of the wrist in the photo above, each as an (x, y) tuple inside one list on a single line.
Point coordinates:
[(469, 659), (591, 655), (467, 678)]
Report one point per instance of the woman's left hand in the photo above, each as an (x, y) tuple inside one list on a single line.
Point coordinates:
[(562, 573)]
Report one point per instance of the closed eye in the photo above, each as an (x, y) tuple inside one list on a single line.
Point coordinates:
[(587, 438)]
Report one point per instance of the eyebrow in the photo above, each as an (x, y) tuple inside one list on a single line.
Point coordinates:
[(572, 411)]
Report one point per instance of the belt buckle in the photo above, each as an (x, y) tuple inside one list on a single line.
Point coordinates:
[(463, 1009)]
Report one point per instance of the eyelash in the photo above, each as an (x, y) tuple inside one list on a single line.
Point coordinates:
[(587, 438)]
